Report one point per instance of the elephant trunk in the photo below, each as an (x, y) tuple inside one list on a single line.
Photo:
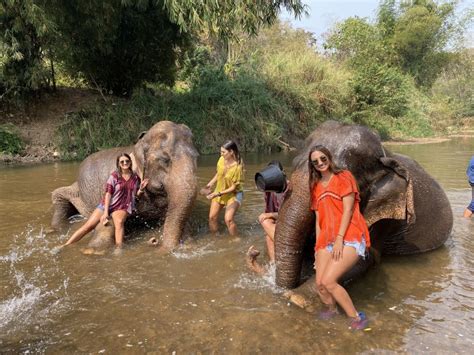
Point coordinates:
[(295, 222), (181, 188)]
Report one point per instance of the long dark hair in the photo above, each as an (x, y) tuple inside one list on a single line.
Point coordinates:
[(117, 164), (315, 175), (231, 145)]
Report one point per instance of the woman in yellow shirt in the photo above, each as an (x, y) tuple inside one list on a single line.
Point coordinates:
[(228, 191)]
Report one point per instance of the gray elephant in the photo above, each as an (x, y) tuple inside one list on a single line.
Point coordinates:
[(165, 154), (406, 210)]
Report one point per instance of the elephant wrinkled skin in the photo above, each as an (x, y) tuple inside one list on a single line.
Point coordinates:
[(405, 208), (165, 154)]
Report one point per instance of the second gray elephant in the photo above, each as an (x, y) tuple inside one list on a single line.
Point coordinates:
[(406, 210), (165, 155)]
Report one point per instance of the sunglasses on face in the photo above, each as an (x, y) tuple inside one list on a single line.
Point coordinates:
[(321, 160), (124, 161)]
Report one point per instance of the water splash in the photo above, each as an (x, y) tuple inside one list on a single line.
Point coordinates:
[(37, 290), (260, 282), (192, 252)]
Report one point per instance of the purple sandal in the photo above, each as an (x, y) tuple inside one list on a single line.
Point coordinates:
[(360, 322)]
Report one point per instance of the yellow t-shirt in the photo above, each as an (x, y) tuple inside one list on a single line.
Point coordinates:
[(225, 179)]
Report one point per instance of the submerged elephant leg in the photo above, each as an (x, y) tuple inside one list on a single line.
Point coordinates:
[(66, 203), (304, 296), (252, 264), (62, 206)]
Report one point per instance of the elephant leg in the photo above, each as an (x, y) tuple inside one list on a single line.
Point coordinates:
[(66, 203), (304, 296), (62, 206)]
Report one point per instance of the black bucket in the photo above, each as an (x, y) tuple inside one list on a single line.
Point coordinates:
[(271, 179)]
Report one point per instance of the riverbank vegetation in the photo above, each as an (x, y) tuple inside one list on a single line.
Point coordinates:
[(246, 77), (10, 140)]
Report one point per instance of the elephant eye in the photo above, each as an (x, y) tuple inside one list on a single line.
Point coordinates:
[(164, 160)]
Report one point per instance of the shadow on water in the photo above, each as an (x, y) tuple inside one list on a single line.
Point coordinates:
[(202, 298)]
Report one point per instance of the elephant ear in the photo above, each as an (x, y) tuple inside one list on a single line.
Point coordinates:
[(391, 196)]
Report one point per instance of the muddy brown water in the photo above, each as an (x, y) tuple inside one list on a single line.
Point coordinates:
[(202, 298)]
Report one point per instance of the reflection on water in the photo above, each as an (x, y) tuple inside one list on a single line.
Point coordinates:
[(202, 298)]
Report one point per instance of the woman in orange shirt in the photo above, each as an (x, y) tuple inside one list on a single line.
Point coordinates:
[(342, 236)]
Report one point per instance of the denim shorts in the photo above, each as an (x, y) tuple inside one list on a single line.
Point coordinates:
[(359, 247), (239, 196), (471, 205)]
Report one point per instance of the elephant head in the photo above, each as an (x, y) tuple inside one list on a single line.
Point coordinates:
[(406, 210), (165, 154)]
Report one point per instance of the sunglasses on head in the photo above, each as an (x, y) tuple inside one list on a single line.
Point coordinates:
[(320, 160), (124, 161)]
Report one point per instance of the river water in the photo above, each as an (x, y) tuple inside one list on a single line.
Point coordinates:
[(202, 298)]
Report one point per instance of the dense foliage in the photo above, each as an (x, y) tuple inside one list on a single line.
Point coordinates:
[(409, 35), (10, 142), (115, 45), (200, 64), (25, 35)]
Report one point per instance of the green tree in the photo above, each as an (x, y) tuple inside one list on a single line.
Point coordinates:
[(387, 17), (118, 44), (411, 35), (357, 42), (225, 18), (25, 34), (421, 32), (456, 83), (381, 87)]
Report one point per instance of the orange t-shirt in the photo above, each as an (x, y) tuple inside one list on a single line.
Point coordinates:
[(327, 201)]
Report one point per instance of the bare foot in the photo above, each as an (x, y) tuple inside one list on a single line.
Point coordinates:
[(253, 252), (467, 213), (251, 260)]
